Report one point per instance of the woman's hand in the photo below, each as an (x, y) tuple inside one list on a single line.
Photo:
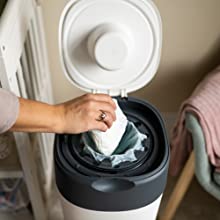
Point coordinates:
[(75, 116), (82, 114)]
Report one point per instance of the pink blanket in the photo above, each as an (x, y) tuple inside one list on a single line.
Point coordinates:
[(204, 103)]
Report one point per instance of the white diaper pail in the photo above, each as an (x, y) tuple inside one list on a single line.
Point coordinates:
[(112, 47)]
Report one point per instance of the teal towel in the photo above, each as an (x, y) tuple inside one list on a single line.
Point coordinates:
[(205, 174)]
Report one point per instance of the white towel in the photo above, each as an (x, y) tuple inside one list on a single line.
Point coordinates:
[(108, 141)]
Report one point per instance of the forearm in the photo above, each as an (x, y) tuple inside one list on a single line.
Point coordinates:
[(72, 117), (37, 117)]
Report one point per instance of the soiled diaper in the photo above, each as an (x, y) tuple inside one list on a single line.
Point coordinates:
[(107, 142), (131, 142)]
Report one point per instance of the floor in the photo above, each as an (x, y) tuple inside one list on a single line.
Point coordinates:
[(197, 204)]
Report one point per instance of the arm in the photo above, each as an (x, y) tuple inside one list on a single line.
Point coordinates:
[(36, 117), (75, 116)]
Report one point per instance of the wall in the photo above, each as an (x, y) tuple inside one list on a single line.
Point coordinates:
[(191, 47)]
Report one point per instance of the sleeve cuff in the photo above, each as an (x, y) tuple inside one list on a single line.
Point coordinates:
[(9, 110)]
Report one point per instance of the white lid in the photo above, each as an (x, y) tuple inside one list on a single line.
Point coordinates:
[(110, 46)]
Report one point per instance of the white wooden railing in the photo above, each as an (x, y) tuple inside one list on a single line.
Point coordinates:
[(24, 70)]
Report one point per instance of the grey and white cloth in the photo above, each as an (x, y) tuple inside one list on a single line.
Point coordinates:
[(118, 144), (9, 110), (131, 142)]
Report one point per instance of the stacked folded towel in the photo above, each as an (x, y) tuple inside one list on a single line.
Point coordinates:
[(204, 104)]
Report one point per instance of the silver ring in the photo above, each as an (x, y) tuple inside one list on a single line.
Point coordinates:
[(102, 116)]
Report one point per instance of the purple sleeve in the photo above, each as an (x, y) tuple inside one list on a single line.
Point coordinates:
[(9, 109)]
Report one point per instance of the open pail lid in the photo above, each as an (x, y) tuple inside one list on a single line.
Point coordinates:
[(110, 46)]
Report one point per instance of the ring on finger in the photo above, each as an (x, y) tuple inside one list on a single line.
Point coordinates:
[(102, 116)]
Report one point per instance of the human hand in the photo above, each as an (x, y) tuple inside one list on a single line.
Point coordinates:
[(82, 114)]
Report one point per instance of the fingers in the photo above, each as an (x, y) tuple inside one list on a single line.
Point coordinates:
[(108, 120), (107, 108), (101, 98), (101, 125), (94, 105), (98, 125)]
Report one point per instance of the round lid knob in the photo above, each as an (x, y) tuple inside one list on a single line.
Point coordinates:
[(109, 46)]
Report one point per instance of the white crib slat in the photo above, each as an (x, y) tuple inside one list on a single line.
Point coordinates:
[(38, 48), (46, 92), (44, 55), (20, 81), (26, 75), (43, 145), (36, 62), (31, 66)]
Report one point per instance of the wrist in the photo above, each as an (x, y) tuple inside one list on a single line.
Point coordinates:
[(59, 118)]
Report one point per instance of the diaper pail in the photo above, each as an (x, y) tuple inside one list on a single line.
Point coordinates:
[(112, 47)]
